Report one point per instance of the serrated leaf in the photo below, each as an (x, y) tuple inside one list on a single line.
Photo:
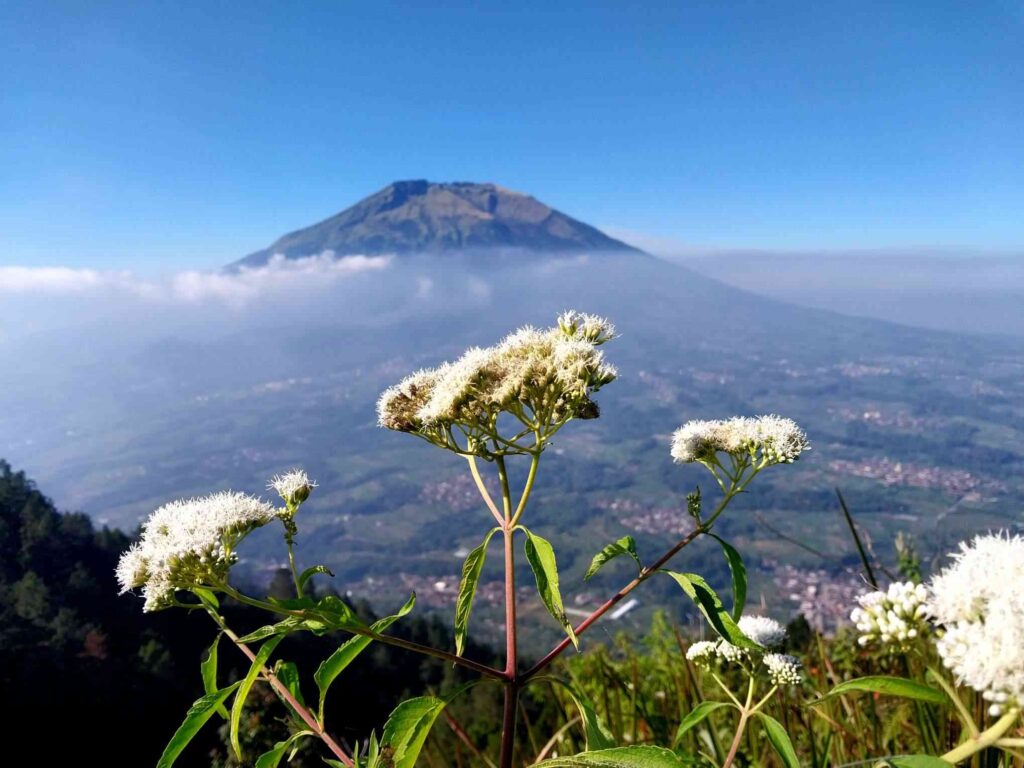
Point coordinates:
[(208, 670), (196, 717), (739, 576), (779, 740), (624, 546), (471, 570), (619, 757), (696, 716), (272, 758), (711, 606), (246, 685), (407, 728), (313, 571), (541, 556), (891, 686), (336, 663)]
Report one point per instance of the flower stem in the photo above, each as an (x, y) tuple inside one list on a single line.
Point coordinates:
[(291, 564), (983, 740), (408, 645), (745, 713), (645, 574), (307, 717), (511, 682), (475, 470)]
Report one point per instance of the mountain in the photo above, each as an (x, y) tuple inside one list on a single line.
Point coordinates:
[(427, 217), (269, 369)]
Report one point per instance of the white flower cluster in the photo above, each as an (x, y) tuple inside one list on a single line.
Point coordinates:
[(766, 632), (544, 376), (189, 543), (783, 669), (895, 617), (702, 653), (979, 601), (762, 630), (777, 440), (293, 486)]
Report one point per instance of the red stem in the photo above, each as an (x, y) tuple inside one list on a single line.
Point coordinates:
[(646, 573), (508, 724), (304, 713)]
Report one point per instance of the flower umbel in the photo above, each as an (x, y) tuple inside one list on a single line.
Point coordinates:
[(894, 618), (702, 653), (765, 440), (762, 630), (542, 378), (190, 543), (979, 601), (783, 669)]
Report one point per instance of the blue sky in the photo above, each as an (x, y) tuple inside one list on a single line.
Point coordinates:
[(166, 135)]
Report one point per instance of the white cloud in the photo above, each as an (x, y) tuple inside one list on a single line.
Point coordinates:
[(58, 280), (246, 284)]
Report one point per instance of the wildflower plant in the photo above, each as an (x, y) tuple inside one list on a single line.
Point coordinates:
[(492, 406), (971, 616), (761, 666)]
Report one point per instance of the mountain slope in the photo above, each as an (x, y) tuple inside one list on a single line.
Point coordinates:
[(427, 217)]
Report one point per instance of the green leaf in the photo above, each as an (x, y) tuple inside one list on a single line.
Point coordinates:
[(336, 613), (696, 716), (779, 739), (208, 669), (272, 758), (619, 757), (916, 761), (293, 603), (711, 606), (311, 572), (246, 685), (271, 629), (739, 576), (467, 591), (891, 686), (595, 731), (288, 673), (336, 663), (206, 597), (407, 728), (541, 557), (195, 719), (624, 546)]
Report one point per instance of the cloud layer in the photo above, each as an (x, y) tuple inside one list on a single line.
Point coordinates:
[(279, 275)]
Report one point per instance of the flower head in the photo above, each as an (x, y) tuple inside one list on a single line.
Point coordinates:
[(767, 439), (783, 669), (979, 601), (189, 543), (894, 618), (702, 652), (293, 487), (762, 630), (590, 328), (543, 377)]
